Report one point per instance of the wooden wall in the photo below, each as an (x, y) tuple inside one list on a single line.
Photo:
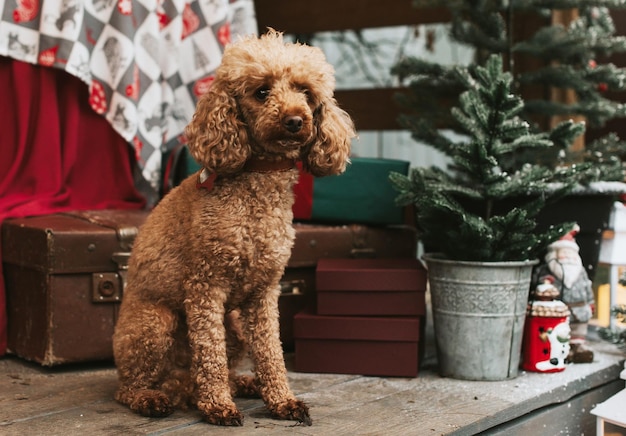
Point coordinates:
[(302, 17)]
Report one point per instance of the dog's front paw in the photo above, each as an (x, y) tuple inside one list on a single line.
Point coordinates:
[(151, 403), (294, 410), (222, 415)]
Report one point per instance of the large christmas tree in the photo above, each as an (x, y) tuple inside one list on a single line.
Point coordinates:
[(555, 67)]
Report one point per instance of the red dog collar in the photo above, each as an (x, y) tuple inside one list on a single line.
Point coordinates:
[(206, 180)]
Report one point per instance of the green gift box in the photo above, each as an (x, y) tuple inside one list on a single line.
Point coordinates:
[(362, 194)]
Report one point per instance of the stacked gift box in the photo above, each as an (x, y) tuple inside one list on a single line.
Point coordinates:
[(369, 313), (369, 318)]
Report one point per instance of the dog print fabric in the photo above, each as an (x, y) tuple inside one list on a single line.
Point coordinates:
[(146, 61)]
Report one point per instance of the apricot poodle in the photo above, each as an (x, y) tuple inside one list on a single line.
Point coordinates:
[(203, 279)]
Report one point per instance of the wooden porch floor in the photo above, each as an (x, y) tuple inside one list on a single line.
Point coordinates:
[(78, 400)]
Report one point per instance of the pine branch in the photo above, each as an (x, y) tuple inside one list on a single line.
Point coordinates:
[(585, 81)]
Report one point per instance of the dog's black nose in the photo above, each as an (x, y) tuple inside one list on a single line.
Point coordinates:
[(293, 123)]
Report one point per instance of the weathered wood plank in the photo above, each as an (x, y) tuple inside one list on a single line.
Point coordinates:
[(27, 395), (570, 417), (34, 400), (79, 401), (298, 16)]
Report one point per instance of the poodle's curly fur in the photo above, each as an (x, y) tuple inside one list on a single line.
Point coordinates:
[(203, 279)]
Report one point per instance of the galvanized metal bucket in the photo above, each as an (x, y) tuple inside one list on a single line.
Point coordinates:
[(479, 310)]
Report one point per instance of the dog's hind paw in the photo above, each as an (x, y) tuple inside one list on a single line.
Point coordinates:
[(294, 410), (244, 387), (151, 403), (222, 415)]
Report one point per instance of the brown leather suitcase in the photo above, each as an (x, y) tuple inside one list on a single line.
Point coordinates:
[(64, 281), (63, 278)]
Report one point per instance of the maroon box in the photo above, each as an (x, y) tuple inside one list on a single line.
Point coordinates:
[(371, 287), (380, 346)]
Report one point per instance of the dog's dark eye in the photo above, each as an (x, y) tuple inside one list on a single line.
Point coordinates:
[(306, 92), (262, 93)]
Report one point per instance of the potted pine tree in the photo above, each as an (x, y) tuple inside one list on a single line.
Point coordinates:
[(558, 53), (486, 245)]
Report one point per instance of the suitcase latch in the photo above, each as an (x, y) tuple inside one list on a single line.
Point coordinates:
[(363, 253), (106, 288), (292, 287), (360, 248)]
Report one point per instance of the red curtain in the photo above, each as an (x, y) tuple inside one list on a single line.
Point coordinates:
[(56, 154)]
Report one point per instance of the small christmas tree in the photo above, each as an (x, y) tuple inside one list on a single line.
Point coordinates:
[(565, 61), (468, 215), (616, 335)]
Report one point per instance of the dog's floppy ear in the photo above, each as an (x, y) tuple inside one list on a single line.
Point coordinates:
[(216, 136), (329, 151)]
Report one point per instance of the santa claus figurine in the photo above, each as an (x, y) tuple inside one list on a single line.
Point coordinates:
[(562, 261)]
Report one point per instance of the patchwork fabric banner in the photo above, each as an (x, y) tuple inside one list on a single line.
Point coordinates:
[(146, 61)]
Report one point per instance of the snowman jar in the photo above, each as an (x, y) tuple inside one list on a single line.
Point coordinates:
[(546, 331)]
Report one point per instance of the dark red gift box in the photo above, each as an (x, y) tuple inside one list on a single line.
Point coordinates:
[(371, 287), (377, 346)]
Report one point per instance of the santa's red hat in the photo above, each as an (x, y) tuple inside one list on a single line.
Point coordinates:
[(571, 235)]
